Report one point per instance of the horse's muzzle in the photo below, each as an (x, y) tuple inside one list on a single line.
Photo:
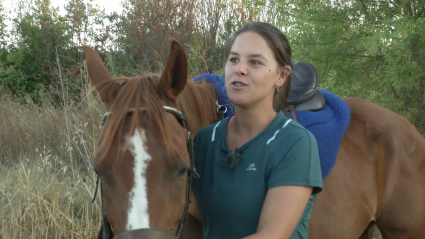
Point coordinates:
[(146, 233)]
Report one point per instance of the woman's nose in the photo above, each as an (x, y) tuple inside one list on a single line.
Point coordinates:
[(241, 69)]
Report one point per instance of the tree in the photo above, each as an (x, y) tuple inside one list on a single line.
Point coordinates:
[(3, 31), (3, 36), (145, 28), (30, 63), (371, 49)]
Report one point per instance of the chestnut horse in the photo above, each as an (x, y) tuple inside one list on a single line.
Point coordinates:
[(142, 159)]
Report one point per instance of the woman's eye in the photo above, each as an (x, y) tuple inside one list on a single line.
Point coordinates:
[(233, 59), (255, 62)]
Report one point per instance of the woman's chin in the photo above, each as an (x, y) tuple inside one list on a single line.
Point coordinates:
[(238, 101)]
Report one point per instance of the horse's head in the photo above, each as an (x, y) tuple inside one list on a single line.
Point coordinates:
[(141, 156)]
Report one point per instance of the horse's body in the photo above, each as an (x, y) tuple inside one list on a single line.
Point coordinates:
[(378, 178)]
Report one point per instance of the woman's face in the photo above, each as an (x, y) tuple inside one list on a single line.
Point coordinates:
[(252, 72)]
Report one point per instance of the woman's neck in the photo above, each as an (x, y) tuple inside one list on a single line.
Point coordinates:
[(252, 121), (247, 124)]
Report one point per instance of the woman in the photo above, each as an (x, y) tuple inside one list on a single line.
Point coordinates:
[(259, 169)]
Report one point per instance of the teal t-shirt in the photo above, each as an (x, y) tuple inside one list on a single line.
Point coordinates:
[(230, 200)]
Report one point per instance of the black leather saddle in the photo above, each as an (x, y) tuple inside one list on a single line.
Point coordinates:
[(303, 94)]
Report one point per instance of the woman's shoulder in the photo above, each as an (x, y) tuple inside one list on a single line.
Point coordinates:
[(211, 130), (292, 131)]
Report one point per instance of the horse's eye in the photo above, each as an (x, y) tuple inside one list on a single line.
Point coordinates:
[(182, 172)]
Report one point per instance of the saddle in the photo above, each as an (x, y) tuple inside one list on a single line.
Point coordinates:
[(321, 112), (303, 94)]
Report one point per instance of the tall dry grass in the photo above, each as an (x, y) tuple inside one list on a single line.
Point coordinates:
[(47, 181), (39, 203)]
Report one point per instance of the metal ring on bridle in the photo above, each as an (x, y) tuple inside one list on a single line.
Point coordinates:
[(219, 107)]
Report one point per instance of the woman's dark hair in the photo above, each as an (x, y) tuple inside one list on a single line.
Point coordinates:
[(279, 45)]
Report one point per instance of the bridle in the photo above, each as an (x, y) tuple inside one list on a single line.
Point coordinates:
[(106, 230)]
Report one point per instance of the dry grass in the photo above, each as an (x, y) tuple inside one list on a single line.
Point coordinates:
[(47, 181), (38, 203)]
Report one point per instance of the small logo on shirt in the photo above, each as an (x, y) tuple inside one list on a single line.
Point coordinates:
[(251, 167)]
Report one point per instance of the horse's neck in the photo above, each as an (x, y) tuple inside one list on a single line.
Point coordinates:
[(198, 104)]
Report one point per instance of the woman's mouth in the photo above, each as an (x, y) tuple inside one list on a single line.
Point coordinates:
[(239, 84)]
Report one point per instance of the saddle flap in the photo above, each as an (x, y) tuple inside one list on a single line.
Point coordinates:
[(317, 102), (304, 83)]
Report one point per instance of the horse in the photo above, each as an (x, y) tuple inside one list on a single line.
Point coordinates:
[(143, 158)]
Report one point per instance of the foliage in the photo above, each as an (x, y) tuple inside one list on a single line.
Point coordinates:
[(30, 62), (3, 30), (370, 49)]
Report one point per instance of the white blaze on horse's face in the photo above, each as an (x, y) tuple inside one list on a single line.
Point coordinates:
[(138, 216)]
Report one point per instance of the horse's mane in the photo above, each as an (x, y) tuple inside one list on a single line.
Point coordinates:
[(197, 101)]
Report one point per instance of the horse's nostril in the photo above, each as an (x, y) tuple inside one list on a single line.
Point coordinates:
[(182, 172)]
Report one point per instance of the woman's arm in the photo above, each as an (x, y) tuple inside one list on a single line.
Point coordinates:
[(282, 209)]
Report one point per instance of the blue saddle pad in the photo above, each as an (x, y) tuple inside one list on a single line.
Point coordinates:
[(328, 126), (220, 90)]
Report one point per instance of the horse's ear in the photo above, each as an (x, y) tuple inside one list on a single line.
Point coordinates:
[(174, 77), (97, 70)]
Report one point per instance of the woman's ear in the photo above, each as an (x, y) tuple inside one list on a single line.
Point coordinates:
[(284, 73)]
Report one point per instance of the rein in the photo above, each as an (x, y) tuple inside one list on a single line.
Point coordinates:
[(106, 230)]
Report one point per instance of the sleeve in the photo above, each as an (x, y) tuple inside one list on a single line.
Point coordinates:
[(298, 165)]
